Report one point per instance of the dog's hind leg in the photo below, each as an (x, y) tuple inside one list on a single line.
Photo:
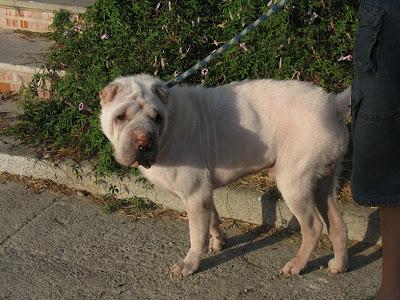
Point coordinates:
[(327, 205), (218, 237), (297, 190), (199, 208)]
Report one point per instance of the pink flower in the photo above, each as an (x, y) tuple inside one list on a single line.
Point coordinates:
[(84, 107), (314, 15), (78, 28), (243, 46), (204, 72), (269, 3), (176, 73), (346, 58)]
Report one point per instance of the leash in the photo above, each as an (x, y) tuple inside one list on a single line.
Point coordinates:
[(274, 8)]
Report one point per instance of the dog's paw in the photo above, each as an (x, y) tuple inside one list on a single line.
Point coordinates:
[(335, 267), (293, 267), (217, 243), (182, 269)]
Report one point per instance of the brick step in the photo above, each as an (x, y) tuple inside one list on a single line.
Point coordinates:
[(20, 57), (36, 15)]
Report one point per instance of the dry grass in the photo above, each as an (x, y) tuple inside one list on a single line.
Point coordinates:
[(38, 186), (263, 183)]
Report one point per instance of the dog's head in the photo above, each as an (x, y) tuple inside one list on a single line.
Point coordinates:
[(134, 117)]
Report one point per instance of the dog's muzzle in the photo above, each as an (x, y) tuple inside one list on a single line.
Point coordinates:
[(142, 151)]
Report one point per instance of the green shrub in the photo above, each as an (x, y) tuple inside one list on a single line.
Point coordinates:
[(120, 37)]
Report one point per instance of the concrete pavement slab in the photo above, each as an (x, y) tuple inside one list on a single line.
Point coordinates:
[(19, 49), (72, 250), (18, 207)]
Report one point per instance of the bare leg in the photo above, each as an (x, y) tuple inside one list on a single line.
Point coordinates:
[(199, 214), (299, 197), (326, 202), (390, 230), (218, 238)]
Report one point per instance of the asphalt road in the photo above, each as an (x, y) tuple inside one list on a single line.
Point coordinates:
[(58, 247)]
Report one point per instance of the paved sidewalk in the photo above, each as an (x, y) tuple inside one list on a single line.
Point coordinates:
[(21, 50), (57, 247)]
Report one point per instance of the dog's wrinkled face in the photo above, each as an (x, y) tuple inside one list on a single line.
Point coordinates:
[(133, 117)]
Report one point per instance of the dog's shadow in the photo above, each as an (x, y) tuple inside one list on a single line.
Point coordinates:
[(360, 254), (242, 244)]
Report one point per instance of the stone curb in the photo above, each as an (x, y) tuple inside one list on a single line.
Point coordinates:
[(19, 68), (231, 202), (26, 69), (12, 77)]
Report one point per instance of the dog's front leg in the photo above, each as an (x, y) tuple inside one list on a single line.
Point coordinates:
[(199, 214)]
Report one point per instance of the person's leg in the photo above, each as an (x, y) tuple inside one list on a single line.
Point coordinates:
[(390, 230), (376, 129)]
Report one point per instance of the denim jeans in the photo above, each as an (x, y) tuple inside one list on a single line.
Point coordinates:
[(376, 105)]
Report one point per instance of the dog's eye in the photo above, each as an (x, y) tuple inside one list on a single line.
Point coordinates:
[(158, 118), (120, 117)]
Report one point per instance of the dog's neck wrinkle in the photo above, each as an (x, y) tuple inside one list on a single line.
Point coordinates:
[(203, 106), (180, 114), (190, 108)]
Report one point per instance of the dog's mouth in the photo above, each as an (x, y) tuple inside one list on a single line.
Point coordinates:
[(144, 163)]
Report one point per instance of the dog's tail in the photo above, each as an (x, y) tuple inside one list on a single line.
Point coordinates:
[(343, 100)]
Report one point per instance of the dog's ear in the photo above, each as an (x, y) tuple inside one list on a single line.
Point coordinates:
[(108, 93), (162, 92)]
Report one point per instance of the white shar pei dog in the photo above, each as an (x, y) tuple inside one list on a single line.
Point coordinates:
[(191, 140)]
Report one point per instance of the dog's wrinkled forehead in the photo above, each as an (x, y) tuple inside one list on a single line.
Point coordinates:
[(142, 86)]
